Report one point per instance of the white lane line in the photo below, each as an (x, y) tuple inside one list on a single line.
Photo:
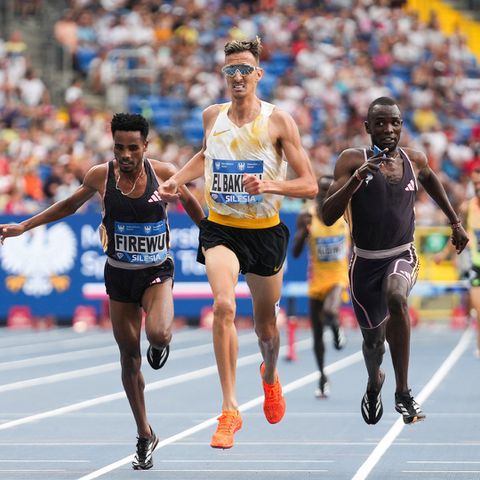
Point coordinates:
[(21, 460), (461, 445), (79, 354), (108, 367), (255, 460), (24, 470), (339, 365), (202, 444), (58, 343), (246, 470), (64, 335), (395, 430), (57, 358), (59, 377), (461, 462), (186, 377), (11, 338), (441, 471)]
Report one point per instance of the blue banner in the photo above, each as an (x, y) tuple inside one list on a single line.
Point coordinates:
[(55, 268)]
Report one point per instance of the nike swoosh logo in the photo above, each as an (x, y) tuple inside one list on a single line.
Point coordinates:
[(277, 268), (219, 133)]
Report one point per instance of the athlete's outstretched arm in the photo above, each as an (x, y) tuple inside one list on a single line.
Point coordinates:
[(350, 171), (191, 204), (169, 190), (342, 188), (284, 133), (165, 171), (195, 167), (58, 210), (433, 186), (304, 221)]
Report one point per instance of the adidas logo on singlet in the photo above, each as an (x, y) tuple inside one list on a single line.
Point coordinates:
[(155, 197), (411, 186)]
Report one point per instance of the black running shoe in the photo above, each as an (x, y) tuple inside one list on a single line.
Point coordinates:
[(145, 447), (408, 407), (157, 357), (339, 338), (371, 405), (323, 390)]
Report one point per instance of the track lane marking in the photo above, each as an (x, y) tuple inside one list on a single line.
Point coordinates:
[(296, 384), (385, 443), (177, 379)]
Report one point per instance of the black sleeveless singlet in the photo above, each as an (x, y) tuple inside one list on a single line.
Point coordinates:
[(135, 231), (381, 213)]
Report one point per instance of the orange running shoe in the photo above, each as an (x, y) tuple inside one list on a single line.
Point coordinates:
[(229, 422), (274, 403)]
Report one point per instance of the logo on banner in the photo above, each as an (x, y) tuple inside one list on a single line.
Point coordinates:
[(37, 262)]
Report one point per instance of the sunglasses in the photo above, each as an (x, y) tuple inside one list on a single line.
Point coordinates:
[(242, 68)]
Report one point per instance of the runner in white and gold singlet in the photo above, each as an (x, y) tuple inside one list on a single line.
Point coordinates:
[(231, 152), (244, 157)]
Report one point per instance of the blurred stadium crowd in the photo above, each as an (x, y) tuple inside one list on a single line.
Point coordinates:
[(324, 62)]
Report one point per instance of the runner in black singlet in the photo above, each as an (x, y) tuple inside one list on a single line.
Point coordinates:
[(139, 268), (375, 189)]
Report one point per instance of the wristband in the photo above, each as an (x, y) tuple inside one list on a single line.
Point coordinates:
[(358, 176), (456, 225)]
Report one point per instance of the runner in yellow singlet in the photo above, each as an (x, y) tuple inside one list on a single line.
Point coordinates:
[(473, 229), (327, 275), (470, 212)]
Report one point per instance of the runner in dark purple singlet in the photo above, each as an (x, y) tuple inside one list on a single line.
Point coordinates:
[(375, 190)]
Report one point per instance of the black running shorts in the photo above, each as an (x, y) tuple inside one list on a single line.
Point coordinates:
[(128, 286), (259, 250), (368, 279)]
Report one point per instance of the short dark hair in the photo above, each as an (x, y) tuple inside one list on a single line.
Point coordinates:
[(238, 46), (130, 122), (380, 101)]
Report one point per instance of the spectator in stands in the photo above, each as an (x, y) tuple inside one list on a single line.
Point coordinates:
[(343, 33), (32, 90), (65, 31)]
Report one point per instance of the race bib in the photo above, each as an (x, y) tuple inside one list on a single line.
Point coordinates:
[(141, 243), (330, 249), (227, 184)]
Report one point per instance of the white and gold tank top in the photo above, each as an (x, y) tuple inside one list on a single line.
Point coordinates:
[(232, 151)]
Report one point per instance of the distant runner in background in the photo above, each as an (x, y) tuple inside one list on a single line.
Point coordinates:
[(327, 275)]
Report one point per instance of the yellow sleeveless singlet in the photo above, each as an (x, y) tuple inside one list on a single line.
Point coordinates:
[(328, 261)]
